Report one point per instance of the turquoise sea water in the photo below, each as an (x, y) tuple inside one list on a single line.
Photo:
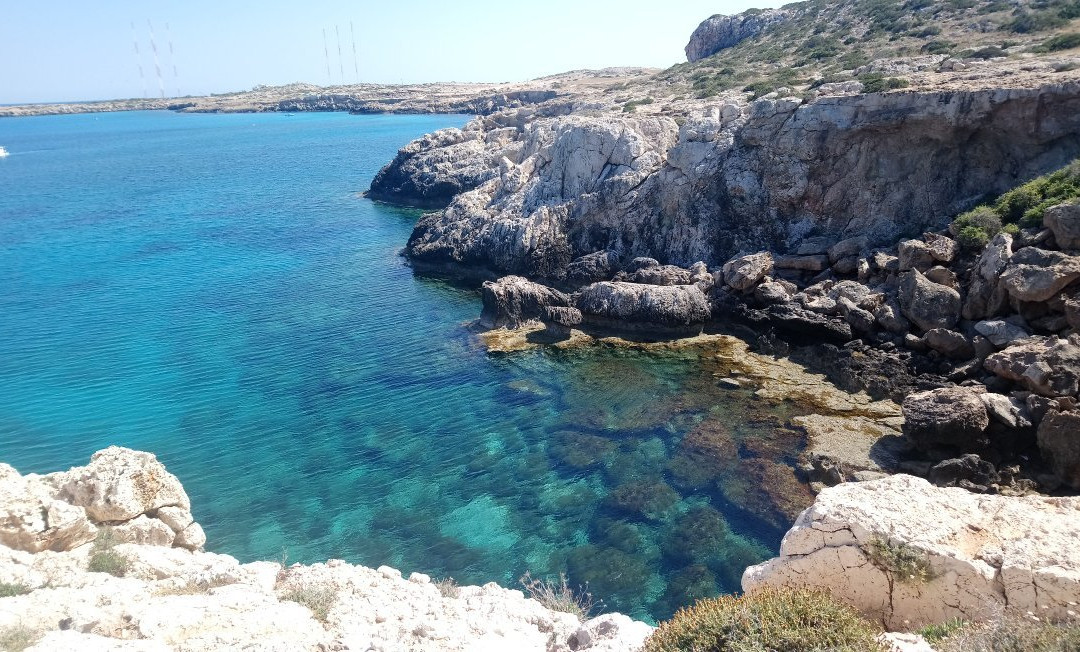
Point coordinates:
[(212, 288)]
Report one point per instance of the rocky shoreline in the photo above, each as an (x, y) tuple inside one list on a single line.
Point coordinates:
[(604, 223)]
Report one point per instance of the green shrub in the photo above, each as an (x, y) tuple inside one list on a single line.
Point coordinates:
[(17, 638), (319, 599), (1039, 21), (1060, 42), (104, 559), (632, 105), (989, 52), (558, 596), (878, 83), (792, 620), (939, 632), (1013, 633), (8, 590), (939, 47), (905, 563)]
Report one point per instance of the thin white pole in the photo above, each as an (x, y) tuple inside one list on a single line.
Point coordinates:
[(341, 66), (355, 61), (138, 58), (326, 51), (157, 66)]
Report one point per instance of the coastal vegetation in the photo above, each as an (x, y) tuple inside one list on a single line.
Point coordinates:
[(833, 42), (558, 595), (104, 558), (798, 620), (1022, 207)]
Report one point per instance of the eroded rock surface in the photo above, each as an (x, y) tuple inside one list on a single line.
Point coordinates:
[(980, 553), (171, 598)]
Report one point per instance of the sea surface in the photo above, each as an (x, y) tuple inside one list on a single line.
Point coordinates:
[(214, 289)]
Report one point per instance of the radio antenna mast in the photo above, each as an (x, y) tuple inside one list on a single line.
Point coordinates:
[(341, 66), (138, 58), (326, 51), (172, 60), (355, 61), (157, 66)]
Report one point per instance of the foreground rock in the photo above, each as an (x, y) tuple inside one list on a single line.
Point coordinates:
[(973, 556), (172, 598), (513, 301), (129, 492)]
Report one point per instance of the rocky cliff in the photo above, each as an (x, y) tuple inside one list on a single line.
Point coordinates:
[(737, 177), (108, 557)]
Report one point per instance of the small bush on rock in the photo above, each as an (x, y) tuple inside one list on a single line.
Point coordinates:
[(104, 559), (937, 633), (1013, 633), (977, 227), (558, 596), (319, 599), (17, 638), (11, 590), (796, 620), (448, 587), (1060, 42), (904, 562)]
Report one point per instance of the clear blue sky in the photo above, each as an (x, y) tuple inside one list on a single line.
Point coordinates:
[(53, 50)]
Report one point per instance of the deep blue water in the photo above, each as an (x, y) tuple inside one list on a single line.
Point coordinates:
[(213, 288)]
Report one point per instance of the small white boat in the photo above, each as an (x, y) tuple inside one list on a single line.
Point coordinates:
[(3, 152)]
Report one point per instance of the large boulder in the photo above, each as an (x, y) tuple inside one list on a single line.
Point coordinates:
[(1038, 274), (927, 304), (802, 325), (952, 417), (632, 306), (120, 484), (1049, 366), (721, 32), (33, 519), (949, 343), (915, 254), (1059, 443), (662, 275), (1064, 221), (592, 268), (744, 272), (970, 557), (512, 301), (986, 295)]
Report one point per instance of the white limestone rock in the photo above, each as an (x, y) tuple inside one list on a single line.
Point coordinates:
[(32, 519), (120, 484), (984, 552)]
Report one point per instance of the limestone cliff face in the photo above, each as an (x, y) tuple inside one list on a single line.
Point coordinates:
[(721, 32), (763, 175)]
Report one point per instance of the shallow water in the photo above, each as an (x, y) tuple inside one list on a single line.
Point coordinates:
[(212, 288)]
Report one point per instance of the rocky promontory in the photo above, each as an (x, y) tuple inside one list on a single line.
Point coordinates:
[(108, 557)]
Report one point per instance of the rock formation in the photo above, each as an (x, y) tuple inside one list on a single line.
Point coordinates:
[(910, 554), (764, 175), (721, 32), (170, 595)]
